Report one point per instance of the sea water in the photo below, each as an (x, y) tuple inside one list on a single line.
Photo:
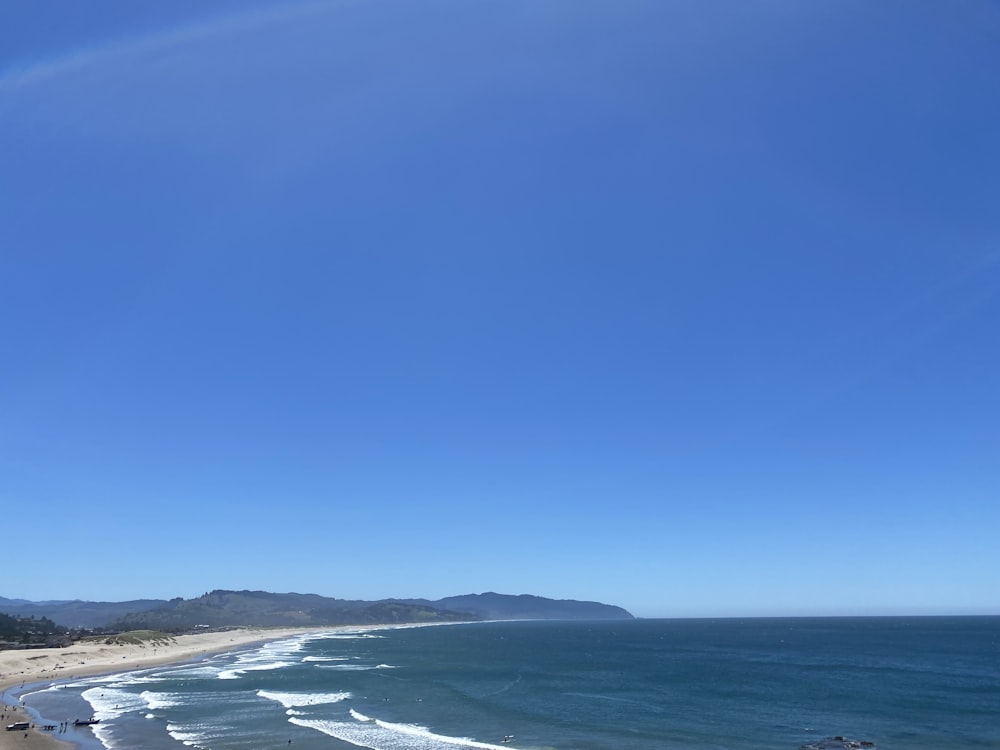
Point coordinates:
[(914, 683)]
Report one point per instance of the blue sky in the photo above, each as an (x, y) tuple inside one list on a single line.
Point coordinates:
[(688, 307)]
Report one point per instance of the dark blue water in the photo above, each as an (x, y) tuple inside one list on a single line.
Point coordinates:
[(689, 684)]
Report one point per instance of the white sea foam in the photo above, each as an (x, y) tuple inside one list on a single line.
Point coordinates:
[(354, 667), (160, 700), (103, 679), (134, 678), (121, 679), (273, 655), (238, 671), (109, 702), (190, 736), (204, 670), (291, 700), (36, 692), (381, 735), (199, 733), (328, 658), (104, 736)]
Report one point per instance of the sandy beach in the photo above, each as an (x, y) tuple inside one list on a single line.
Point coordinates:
[(29, 666)]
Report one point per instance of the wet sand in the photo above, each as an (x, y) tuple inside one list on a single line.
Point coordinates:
[(30, 666)]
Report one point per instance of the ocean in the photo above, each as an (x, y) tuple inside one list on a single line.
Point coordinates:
[(727, 684)]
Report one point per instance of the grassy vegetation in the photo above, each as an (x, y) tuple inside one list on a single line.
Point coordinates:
[(136, 638)]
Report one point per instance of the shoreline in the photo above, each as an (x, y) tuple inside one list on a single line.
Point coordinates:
[(29, 668)]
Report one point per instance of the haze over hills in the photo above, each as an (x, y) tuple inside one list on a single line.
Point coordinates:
[(76, 613), (491, 606), (222, 608)]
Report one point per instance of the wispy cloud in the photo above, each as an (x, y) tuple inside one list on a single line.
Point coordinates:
[(27, 73)]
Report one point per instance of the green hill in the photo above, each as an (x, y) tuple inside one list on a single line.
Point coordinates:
[(222, 608)]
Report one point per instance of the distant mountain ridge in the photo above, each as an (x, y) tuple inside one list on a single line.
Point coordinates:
[(493, 606), (76, 613), (223, 608)]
